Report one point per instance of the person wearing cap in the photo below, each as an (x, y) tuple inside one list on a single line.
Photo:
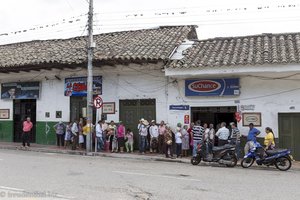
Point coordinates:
[(235, 138), (143, 132), (60, 131), (251, 138), (112, 136), (153, 130)]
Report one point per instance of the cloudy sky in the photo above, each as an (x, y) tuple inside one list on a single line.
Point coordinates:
[(47, 19)]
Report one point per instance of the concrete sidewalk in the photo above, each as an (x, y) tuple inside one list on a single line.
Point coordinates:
[(135, 155)]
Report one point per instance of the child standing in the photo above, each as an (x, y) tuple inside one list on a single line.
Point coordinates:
[(178, 139), (129, 142)]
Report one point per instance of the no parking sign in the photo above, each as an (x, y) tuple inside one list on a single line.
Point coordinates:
[(98, 102)]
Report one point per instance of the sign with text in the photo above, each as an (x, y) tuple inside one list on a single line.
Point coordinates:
[(20, 90), (212, 87), (109, 108), (78, 86), (179, 107)]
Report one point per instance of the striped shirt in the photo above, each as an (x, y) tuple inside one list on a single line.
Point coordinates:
[(198, 132), (235, 134)]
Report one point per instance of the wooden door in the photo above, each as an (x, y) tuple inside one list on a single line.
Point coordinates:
[(131, 111), (289, 135)]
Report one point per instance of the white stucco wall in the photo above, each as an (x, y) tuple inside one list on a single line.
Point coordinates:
[(269, 96)]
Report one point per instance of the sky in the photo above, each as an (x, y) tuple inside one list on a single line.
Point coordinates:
[(54, 19)]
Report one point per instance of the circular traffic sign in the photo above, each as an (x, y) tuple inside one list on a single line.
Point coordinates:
[(98, 102)]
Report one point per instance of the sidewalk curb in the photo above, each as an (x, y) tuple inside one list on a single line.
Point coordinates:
[(94, 154)]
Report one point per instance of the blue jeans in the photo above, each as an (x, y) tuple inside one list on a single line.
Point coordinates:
[(100, 143), (142, 143), (195, 144)]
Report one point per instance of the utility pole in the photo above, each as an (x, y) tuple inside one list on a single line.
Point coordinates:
[(91, 45)]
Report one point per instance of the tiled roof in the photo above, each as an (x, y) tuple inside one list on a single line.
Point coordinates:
[(242, 51), (141, 45)]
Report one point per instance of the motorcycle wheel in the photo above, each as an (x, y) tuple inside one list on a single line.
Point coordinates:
[(196, 160), (233, 160), (247, 162), (283, 163)]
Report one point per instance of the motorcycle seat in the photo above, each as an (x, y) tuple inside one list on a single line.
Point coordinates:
[(226, 146), (275, 151)]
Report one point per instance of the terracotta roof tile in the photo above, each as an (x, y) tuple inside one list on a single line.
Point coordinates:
[(241, 51), (148, 44)]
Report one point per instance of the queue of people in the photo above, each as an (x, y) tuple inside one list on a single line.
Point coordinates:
[(157, 138)]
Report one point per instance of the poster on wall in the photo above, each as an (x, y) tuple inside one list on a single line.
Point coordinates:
[(77, 86), (109, 108), (20, 90), (212, 87), (254, 118), (4, 113)]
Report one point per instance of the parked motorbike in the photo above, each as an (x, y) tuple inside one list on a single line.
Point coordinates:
[(278, 157), (222, 155)]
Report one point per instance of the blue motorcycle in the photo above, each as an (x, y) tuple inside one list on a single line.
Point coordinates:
[(278, 157)]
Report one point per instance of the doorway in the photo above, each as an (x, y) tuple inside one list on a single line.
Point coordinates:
[(289, 136), (24, 108), (131, 111), (78, 108), (214, 115)]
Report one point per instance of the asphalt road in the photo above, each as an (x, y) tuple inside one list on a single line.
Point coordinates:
[(30, 175)]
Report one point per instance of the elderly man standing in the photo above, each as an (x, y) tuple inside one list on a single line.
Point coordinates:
[(143, 132), (154, 136), (198, 132), (223, 134)]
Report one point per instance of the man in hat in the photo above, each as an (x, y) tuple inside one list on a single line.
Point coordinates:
[(154, 136), (143, 132)]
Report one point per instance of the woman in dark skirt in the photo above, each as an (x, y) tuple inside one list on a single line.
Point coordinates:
[(121, 137)]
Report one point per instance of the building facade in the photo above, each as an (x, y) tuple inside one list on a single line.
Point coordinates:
[(156, 74)]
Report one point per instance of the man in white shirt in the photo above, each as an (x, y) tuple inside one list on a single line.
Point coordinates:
[(74, 136), (143, 132), (223, 134), (99, 135), (154, 136)]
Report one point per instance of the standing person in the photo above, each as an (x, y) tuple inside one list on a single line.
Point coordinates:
[(168, 142), (60, 131), (198, 132), (206, 140), (178, 141), (121, 137), (99, 135), (143, 131), (104, 133), (68, 134), (27, 126), (191, 142), (161, 131), (154, 136), (235, 139), (185, 141), (75, 135), (129, 142), (269, 141), (113, 136), (223, 134), (251, 138)]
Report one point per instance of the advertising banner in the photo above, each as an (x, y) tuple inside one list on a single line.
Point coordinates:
[(212, 87), (20, 90), (78, 86)]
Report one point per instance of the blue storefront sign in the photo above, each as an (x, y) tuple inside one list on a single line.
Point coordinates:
[(78, 86), (179, 107), (212, 87)]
